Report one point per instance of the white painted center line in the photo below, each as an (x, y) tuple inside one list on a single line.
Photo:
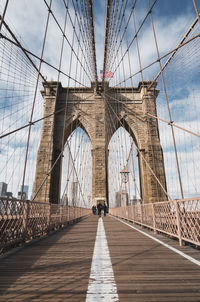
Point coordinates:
[(161, 242), (102, 286)]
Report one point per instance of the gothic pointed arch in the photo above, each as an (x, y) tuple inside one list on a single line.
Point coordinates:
[(75, 123)]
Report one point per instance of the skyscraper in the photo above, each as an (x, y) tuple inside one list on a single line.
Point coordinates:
[(3, 188), (118, 199), (74, 191), (121, 198)]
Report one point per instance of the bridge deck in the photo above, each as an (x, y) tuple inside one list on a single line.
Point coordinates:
[(57, 268)]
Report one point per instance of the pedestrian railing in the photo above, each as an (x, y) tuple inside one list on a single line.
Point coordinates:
[(22, 221), (177, 218)]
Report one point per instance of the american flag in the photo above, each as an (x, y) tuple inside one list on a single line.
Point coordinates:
[(108, 74)]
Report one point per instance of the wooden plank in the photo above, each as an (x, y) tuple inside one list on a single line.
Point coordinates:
[(53, 269), (147, 271), (57, 268)]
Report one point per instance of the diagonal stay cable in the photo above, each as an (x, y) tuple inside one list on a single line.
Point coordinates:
[(40, 119), (26, 51), (34, 101), (19, 45), (156, 117), (159, 59), (175, 51)]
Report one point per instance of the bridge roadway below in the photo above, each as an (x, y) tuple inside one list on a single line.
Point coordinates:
[(58, 267)]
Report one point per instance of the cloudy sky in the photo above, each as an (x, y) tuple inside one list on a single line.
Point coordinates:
[(28, 18), (172, 19)]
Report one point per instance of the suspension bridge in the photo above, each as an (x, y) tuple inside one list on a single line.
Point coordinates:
[(99, 150)]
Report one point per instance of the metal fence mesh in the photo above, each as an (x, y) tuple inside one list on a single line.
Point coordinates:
[(177, 218), (23, 220)]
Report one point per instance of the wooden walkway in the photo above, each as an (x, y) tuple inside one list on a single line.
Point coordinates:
[(57, 268)]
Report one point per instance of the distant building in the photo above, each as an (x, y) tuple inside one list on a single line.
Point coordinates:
[(135, 201), (3, 188), (121, 198), (118, 199), (9, 194), (124, 198), (74, 192), (64, 200)]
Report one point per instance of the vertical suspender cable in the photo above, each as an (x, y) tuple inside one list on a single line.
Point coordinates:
[(93, 42), (106, 40), (168, 107), (34, 100)]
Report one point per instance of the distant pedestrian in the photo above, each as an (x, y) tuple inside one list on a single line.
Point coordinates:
[(99, 208), (94, 210)]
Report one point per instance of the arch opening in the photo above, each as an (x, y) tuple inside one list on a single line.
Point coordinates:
[(123, 190), (74, 125), (76, 175)]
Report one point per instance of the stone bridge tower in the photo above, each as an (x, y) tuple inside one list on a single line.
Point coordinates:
[(91, 110)]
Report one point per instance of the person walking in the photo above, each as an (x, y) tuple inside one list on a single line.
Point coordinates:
[(94, 210), (99, 208)]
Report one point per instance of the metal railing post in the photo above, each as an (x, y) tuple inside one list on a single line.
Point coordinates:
[(154, 219), (60, 215), (133, 213), (141, 211), (25, 217), (49, 217), (178, 222), (68, 214)]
